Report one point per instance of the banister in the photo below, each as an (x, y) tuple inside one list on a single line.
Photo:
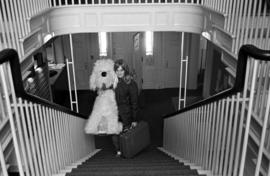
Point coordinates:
[(11, 55), (244, 52)]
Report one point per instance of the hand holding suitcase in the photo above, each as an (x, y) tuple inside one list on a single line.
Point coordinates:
[(135, 140)]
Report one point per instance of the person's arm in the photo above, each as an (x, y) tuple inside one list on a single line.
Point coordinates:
[(133, 92)]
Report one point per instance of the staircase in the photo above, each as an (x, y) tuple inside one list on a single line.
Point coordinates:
[(151, 162)]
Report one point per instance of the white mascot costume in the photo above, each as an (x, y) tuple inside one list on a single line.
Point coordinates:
[(104, 116)]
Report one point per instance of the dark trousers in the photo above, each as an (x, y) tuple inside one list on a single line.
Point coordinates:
[(125, 118), (115, 140)]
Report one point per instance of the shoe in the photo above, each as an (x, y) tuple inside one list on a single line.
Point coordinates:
[(118, 154)]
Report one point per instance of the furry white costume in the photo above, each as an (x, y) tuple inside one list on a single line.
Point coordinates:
[(104, 116)]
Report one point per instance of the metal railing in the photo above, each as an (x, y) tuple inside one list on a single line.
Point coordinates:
[(214, 133), (47, 138), (246, 20)]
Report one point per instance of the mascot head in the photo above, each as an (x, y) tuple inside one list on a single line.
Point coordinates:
[(103, 75)]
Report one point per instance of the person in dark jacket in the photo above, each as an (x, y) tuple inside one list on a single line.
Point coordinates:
[(126, 94)]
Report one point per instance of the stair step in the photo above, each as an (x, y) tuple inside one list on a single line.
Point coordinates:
[(148, 163), (133, 172), (130, 164), (130, 161), (123, 168)]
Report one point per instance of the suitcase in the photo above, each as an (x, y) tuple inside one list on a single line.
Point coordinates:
[(134, 140)]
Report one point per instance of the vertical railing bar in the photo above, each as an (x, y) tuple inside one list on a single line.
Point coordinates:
[(35, 7), (204, 124), (216, 136), (198, 135), (69, 85), (66, 138), (234, 139), (230, 9), (221, 130), (43, 4), (79, 138), (236, 29), (255, 2), (202, 143), (223, 7), (49, 139), (2, 28), (240, 27), (9, 111), (40, 141), (263, 134), (213, 115), (23, 17), (53, 150), (258, 87), (233, 7), (15, 27), (71, 141), (54, 3), (20, 131), (27, 11), (36, 143), (27, 106), (193, 136), (241, 120), (227, 14), (4, 171), (225, 134), (267, 44), (50, 3), (245, 142), (180, 140), (81, 134), (264, 20), (76, 138), (56, 139), (38, 5), (244, 26), (3, 5), (19, 24), (225, 166), (181, 69), (186, 74), (185, 125), (188, 135), (43, 135), (266, 82), (58, 119), (61, 137), (248, 28), (22, 105), (30, 8), (257, 22), (208, 127)]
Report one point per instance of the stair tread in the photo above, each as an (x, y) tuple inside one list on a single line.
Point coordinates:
[(148, 163)]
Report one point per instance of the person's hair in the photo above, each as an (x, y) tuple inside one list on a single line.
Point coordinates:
[(120, 63), (127, 75)]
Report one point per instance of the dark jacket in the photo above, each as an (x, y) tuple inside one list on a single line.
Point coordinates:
[(126, 95)]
